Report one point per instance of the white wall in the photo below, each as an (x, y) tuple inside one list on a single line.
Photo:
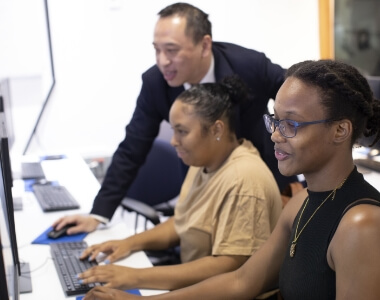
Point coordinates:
[(101, 47)]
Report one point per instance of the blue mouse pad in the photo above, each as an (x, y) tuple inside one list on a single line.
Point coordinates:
[(28, 183), (44, 239), (53, 157), (134, 291)]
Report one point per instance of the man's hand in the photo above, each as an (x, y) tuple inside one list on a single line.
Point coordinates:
[(82, 223)]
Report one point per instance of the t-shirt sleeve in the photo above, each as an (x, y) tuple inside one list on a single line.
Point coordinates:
[(242, 226)]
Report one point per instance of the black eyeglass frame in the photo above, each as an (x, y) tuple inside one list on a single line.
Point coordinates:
[(269, 120)]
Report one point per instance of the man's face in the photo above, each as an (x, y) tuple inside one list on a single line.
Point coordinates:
[(177, 57)]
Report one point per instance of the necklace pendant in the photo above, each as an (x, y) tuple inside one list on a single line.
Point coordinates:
[(292, 249)]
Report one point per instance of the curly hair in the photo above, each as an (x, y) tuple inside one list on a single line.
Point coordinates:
[(344, 93)]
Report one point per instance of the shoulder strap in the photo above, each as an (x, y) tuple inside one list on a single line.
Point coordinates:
[(356, 202), (361, 201)]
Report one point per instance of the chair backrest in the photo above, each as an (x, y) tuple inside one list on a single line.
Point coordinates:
[(160, 177)]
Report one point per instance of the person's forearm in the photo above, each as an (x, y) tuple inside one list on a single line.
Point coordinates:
[(182, 275), (224, 286), (162, 236)]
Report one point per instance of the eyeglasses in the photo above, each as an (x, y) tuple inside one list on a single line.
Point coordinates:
[(288, 128)]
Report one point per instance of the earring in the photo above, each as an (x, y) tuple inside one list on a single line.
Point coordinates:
[(218, 139)]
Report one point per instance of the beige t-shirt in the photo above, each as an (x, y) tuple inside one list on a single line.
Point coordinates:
[(231, 211)]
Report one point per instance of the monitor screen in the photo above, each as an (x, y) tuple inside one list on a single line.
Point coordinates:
[(374, 83), (26, 61), (7, 183), (356, 34), (48, 69), (9, 266)]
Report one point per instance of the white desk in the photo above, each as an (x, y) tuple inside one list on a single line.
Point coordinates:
[(31, 221)]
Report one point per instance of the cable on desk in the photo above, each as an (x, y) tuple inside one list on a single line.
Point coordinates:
[(27, 274)]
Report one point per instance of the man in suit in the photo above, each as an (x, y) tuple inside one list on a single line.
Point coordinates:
[(185, 55)]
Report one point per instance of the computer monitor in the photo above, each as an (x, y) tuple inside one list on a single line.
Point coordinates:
[(9, 264), (49, 73), (6, 185), (356, 34), (27, 61), (6, 124), (6, 118), (16, 273), (7, 136), (374, 83)]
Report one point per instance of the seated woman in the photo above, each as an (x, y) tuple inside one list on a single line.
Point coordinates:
[(326, 243), (228, 205)]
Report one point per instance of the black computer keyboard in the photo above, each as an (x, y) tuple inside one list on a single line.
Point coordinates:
[(32, 170), (368, 163), (54, 197), (68, 265)]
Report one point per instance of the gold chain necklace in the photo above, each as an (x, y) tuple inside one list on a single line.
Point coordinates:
[(297, 235)]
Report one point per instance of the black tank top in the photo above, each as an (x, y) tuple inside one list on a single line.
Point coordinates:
[(307, 275)]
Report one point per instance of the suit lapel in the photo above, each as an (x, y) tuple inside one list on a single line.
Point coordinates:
[(222, 66)]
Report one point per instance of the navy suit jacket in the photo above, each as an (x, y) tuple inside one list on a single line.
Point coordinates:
[(153, 104)]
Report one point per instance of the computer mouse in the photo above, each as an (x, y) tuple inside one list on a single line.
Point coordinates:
[(54, 234)]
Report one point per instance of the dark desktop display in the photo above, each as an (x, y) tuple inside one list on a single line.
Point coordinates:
[(374, 83), (9, 261)]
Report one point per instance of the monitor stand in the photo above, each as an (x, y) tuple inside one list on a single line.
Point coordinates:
[(25, 280)]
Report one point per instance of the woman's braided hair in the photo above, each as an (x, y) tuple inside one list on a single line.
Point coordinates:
[(345, 94), (213, 101)]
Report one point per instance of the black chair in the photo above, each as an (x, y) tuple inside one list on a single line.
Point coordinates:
[(156, 185)]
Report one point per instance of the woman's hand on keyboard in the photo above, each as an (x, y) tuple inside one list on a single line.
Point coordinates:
[(104, 293), (114, 250), (113, 276)]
